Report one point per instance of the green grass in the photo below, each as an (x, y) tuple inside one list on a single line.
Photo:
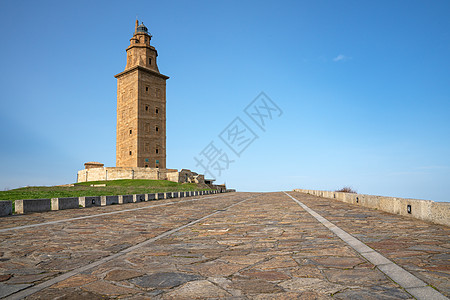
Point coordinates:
[(113, 187)]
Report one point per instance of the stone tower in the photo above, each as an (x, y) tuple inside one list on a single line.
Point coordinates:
[(141, 106)]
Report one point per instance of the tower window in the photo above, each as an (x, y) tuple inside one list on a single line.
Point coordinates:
[(150, 61), (156, 111), (131, 131), (146, 166), (146, 88), (131, 153), (157, 151), (157, 129), (146, 108)]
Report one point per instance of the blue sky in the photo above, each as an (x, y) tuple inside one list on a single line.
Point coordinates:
[(364, 89)]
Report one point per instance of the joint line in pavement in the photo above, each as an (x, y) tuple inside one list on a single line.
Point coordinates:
[(413, 285), (34, 289)]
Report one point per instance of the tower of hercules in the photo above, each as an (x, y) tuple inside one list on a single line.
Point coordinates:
[(141, 106)]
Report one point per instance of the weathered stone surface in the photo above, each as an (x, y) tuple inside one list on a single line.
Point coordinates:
[(307, 271), (338, 262), (30, 278), (164, 280), (244, 259), (254, 286), (278, 262), (75, 281), (5, 277), (372, 293), (308, 295), (200, 289), (361, 277), (119, 275), (265, 275), (66, 294), (214, 268), (312, 284), (8, 289), (105, 288)]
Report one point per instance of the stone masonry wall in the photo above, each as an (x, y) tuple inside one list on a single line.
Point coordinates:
[(427, 210), (111, 173)]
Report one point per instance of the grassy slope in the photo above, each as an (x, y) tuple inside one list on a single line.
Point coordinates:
[(113, 187)]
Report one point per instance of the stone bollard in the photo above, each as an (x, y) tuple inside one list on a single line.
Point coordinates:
[(109, 200), (89, 201), (5, 208), (126, 199), (65, 203), (139, 198), (33, 205)]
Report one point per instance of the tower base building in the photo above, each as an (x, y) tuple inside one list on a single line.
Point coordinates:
[(115, 173)]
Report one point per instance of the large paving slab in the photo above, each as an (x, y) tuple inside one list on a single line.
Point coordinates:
[(237, 245), (421, 248)]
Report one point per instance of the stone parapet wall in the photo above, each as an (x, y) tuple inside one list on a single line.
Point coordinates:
[(112, 173), (43, 205), (427, 210)]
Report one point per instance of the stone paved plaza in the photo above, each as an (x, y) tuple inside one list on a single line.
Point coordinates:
[(233, 246)]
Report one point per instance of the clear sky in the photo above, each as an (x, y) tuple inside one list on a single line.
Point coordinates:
[(362, 87)]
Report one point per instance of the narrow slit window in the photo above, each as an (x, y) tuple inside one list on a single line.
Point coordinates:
[(131, 153), (146, 108), (131, 131), (157, 129), (146, 88), (156, 111), (150, 61), (157, 151)]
